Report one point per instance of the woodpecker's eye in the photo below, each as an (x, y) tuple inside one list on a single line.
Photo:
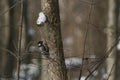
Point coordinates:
[(40, 43)]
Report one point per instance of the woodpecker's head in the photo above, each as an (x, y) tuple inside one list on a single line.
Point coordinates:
[(40, 43)]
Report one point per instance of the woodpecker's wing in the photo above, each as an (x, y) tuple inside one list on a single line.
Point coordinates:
[(46, 47)]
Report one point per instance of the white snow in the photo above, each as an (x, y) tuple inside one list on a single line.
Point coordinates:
[(73, 62), (41, 19), (118, 46), (82, 78), (105, 76), (22, 74), (33, 70), (28, 71)]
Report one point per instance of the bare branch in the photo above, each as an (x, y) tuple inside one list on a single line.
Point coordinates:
[(19, 41), (85, 39), (111, 71), (16, 3), (107, 53), (10, 52)]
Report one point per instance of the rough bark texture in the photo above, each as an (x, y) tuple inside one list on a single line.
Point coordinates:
[(50, 33), (112, 36)]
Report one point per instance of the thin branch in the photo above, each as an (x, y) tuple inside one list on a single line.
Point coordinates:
[(94, 70), (92, 66), (91, 3), (14, 46), (97, 27), (111, 71), (83, 53), (20, 41), (16, 3), (85, 39), (10, 52), (107, 53)]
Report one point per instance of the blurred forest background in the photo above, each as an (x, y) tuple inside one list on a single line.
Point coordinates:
[(84, 28)]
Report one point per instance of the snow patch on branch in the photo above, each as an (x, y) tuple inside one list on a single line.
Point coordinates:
[(41, 19), (73, 62)]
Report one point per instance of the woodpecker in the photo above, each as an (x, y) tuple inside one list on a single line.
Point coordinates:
[(43, 48)]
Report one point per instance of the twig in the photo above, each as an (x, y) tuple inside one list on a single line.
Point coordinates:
[(10, 8), (14, 46), (111, 71), (10, 52), (107, 53), (85, 39), (91, 3), (19, 41), (94, 70)]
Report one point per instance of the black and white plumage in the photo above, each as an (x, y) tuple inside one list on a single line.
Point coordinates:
[(43, 48)]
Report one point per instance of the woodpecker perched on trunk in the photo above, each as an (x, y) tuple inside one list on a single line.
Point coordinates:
[(43, 48)]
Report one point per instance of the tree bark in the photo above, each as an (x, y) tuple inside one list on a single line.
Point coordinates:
[(112, 37), (51, 34), (7, 59)]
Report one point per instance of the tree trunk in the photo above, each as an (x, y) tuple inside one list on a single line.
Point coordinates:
[(51, 34), (7, 59), (112, 37)]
